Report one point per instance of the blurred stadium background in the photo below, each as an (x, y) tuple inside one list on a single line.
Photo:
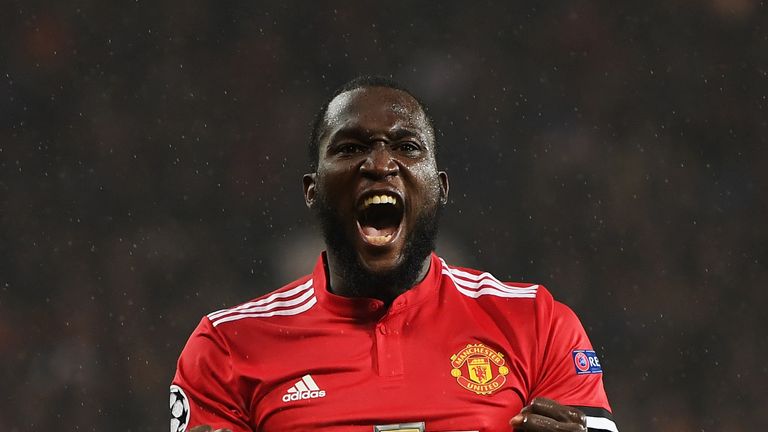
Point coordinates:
[(151, 154)]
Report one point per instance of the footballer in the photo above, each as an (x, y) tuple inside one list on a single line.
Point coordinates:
[(383, 334)]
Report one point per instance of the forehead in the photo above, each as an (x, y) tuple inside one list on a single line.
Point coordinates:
[(376, 109)]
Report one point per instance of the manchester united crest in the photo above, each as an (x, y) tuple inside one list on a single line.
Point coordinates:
[(479, 369)]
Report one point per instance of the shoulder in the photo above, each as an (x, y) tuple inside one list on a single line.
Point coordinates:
[(488, 291), (481, 284), (290, 300)]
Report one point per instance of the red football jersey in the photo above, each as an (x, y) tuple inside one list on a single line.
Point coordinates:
[(460, 351)]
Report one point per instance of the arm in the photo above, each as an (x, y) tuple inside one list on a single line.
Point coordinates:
[(567, 391), (206, 391)]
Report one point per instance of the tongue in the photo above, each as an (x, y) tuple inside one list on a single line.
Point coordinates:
[(375, 232)]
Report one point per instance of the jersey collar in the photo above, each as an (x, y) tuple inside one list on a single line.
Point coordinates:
[(373, 309)]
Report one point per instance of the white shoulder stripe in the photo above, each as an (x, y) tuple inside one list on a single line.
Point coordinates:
[(601, 423), (470, 276), (487, 285), (282, 312), (291, 292), (494, 292), (495, 284), (475, 293), (273, 305), (485, 276)]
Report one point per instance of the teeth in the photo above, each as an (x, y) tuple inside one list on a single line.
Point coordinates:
[(379, 199), (379, 240)]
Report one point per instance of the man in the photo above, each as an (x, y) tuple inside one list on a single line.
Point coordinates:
[(384, 334)]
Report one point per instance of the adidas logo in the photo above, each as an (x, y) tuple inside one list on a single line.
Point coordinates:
[(305, 388)]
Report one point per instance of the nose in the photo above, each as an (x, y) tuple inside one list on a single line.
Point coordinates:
[(379, 163)]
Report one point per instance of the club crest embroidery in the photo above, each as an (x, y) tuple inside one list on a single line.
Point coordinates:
[(479, 369)]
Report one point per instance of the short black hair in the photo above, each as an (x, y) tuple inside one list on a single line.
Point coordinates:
[(362, 81)]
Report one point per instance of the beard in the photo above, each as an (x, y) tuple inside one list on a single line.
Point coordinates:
[(385, 285)]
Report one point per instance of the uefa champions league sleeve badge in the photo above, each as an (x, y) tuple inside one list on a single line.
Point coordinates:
[(179, 409)]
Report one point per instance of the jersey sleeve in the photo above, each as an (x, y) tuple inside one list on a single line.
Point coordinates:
[(569, 370), (205, 387)]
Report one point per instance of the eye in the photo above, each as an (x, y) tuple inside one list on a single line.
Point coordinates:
[(349, 148), (408, 147)]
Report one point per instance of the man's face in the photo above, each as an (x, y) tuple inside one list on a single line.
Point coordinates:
[(377, 189)]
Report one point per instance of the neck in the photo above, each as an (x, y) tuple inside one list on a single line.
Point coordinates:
[(349, 280)]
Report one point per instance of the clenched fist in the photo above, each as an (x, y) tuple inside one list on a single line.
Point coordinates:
[(546, 415)]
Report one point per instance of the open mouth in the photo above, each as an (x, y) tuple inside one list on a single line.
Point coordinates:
[(379, 218)]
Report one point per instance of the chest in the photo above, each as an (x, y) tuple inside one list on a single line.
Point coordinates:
[(461, 374)]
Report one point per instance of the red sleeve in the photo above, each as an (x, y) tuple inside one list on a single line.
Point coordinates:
[(205, 388), (569, 370)]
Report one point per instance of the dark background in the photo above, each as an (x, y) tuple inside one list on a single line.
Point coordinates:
[(151, 155)]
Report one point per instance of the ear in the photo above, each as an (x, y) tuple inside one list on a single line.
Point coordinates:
[(309, 188), (444, 186)]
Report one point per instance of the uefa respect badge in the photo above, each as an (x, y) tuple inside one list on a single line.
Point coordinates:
[(586, 362)]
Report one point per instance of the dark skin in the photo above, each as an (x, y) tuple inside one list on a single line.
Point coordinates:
[(546, 415), (378, 139)]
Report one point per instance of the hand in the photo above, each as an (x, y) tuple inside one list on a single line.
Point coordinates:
[(206, 428), (546, 415)]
